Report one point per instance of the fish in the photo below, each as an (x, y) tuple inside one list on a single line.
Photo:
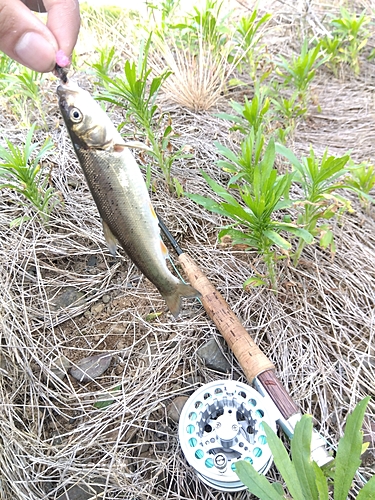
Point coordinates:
[(117, 186)]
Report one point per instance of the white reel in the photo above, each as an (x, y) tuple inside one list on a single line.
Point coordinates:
[(221, 423)]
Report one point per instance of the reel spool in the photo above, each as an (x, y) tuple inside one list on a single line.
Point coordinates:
[(221, 423)]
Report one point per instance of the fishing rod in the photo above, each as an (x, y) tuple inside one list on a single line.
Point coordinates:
[(258, 369)]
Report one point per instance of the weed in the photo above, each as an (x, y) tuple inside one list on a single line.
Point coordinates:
[(7, 65), (352, 35), (165, 9), (260, 201), (22, 87), (22, 172), (252, 114), (241, 166), (303, 477), (247, 37), (319, 180), (332, 46), (206, 24), (107, 60), (289, 109), (300, 70), (362, 179), (137, 92)]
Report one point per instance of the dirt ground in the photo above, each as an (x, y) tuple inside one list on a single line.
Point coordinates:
[(63, 294)]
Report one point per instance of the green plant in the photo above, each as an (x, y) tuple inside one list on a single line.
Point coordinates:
[(332, 46), (137, 91), (352, 35), (107, 60), (165, 9), (23, 87), (264, 116), (241, 165), (207, 23), (252, 114), (22, 171), (247, 37), (303, 477), (7, 65), (362, 178), (319, 180), (300, 70), (288, 109), (260, 202)]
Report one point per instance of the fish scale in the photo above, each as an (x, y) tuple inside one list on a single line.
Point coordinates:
[(119, 191), (122, 208)]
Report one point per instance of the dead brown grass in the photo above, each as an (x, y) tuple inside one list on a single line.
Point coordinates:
[(318, 329)]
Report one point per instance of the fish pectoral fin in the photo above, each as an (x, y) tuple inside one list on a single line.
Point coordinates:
[(109, 238), (131, 144), (173, 300)]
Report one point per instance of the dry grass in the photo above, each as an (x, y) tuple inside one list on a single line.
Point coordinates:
[(318, 329), (198, 80)]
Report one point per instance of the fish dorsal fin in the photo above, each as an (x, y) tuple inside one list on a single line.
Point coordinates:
[(109, 238)]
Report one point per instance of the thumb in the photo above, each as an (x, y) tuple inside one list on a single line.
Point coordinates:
[(24, 38)]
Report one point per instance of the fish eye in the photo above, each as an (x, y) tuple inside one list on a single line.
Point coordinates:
[(75, 115)]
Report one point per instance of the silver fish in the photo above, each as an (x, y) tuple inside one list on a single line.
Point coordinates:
[(119, 191)]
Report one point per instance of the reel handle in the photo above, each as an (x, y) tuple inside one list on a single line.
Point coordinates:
[(254, 363)]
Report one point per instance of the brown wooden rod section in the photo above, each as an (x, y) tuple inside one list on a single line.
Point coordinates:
[(253, 362)]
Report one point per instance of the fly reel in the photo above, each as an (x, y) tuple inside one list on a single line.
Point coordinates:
[(221, 423)]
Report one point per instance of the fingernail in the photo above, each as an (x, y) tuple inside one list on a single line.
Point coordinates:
[(35, 51)]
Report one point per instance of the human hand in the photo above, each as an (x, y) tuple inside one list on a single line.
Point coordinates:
[(26, 39)]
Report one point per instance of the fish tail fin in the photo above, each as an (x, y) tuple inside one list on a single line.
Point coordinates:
[(173, 300)]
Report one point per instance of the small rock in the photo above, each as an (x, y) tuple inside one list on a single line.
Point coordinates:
[(213, 358), (83, 491), (119, 369), (92, 261), (60, 366), (66, 298), (106, 298), (121, 345), (91, 367), (173, 341), (175, 407), (118, 330), (144, 448), (97, 309)]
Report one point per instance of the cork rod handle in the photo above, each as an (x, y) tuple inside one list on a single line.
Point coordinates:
[(253, 362)]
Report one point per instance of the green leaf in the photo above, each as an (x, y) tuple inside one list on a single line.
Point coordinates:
[(239, 214), (238, 237), (326, 239), (277, 239), (220, 190), (255, 482), (103, 404), (278, 487), (207, 203), (284, 464), (301, 453), (253, 282), (368, 491), (349, 451), (298, 231), (320, 482)]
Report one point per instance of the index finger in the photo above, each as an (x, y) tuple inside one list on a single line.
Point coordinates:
[(63, 21)]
